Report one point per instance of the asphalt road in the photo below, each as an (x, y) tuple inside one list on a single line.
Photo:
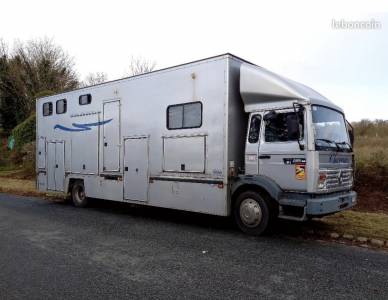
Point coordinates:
[(111, 251)]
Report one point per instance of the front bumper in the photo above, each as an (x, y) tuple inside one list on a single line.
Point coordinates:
[(330, 203), (301, 206)]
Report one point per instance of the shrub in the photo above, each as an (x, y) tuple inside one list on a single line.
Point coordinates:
[(24, 132), (371, 144)]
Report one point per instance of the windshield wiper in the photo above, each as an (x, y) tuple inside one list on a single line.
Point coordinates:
[(347, 144), (329, 142)]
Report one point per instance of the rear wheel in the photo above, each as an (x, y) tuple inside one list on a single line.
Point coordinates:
[(78, 194), (252, 213)]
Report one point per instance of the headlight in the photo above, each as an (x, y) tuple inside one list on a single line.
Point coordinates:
[(322, 180)]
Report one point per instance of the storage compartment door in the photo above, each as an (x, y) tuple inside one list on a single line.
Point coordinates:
[(51, 162), (111, 136), (59, 166), (184, 154), (136, 169)]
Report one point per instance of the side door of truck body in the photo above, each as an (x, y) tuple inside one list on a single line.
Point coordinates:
[(111, 136), (59, 166), (55, 165), (51, 162), (41, 153), (136, 169)]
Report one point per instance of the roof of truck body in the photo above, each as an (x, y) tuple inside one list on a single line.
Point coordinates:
[(224, 55), (262, 86)]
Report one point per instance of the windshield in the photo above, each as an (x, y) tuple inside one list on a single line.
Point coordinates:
[(330, 129)]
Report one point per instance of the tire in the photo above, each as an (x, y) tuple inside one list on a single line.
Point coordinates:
[(253, 213), (78, 194)]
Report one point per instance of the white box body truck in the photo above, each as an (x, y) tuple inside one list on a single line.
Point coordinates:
[(218, 136)]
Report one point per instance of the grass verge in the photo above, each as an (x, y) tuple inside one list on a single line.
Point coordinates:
[(370, 225), (18, 186)]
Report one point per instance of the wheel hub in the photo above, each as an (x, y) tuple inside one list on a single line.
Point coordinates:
[(250, 212)]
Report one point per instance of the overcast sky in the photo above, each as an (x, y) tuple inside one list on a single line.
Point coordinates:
[(296, 39)]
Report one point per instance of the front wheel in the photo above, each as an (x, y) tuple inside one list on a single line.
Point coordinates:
[(252, 213), (78, 194)]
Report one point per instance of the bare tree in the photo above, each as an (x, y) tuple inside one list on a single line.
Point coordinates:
[(94, 78), (3, 48), (139, 65)]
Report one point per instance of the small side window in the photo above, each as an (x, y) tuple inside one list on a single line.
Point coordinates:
[(47, 109), (61, 106), (85, 99), (175, 117), (254, 129), (184, 116)]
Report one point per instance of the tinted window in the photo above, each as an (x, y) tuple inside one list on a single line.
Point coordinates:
[(61, 106), (47, 109), (175, 117), (254, 129), (192, 115), (85, 99), (276, 128), (188, 115)]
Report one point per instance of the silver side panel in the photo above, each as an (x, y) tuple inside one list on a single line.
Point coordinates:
[(83, 148), (100, 128)]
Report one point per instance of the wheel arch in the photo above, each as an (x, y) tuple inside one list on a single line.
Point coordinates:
[(261, 184), (71, 182)]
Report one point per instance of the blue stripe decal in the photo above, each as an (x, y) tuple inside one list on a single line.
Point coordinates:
[(81, 127)]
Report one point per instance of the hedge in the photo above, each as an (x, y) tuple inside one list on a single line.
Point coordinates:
[(24, 132)]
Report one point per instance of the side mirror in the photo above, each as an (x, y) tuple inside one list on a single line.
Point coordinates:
[(350, 132)]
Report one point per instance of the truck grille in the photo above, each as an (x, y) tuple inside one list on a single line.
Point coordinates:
[(338, 179)]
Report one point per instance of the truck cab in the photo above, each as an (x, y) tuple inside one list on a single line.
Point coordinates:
[(299, 159)]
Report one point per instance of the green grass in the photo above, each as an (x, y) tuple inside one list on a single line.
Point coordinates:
[(371, 147), (370, 225), (21, 186)]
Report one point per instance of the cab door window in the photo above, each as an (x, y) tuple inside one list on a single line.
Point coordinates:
[(278, 124)]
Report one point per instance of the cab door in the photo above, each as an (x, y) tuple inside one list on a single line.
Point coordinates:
[(280, 154)]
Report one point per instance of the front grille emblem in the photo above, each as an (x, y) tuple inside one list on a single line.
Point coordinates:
[(340, 177)]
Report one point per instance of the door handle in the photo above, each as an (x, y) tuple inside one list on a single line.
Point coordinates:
[(56, 166), (137, 170), (106, 144), (126, 169), (264, 156)]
